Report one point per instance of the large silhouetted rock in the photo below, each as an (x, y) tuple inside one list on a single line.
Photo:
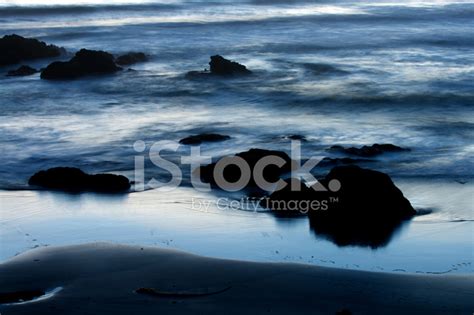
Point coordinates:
[(85, 62), (204, 137), (15, 48), (22, 71), (232, 173), (74, 180), (356, 206), (131, 58), (369, 151)]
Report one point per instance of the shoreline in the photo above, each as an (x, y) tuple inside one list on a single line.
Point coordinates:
[(102, 278)]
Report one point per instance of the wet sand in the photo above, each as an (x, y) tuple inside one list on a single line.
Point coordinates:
[(102, 278)]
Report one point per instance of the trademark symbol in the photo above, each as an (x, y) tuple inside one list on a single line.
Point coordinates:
[(336, 199)]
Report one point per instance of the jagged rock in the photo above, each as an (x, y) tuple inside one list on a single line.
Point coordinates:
[(22, 71), (74, 180), (205, 137), (15, 48), (131, 58), (84, 63), (219, 66)]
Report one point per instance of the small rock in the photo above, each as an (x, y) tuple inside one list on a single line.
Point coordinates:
[(205, 137), (74, 180), (369, 151), (341, 161), (219, 66), (22, 71)]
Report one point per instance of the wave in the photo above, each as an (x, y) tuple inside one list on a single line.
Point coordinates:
[(26, 11)]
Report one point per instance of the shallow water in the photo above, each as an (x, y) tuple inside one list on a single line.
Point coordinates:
[(181, 219), (343, 72)]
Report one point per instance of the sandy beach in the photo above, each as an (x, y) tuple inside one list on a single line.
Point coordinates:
[(102, 278)]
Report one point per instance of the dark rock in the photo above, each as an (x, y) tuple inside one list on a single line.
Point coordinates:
[(369, 151), (20, 296), (366, 209), (15, 49), (205, 137), (232, 173), (221, 66), (131, 58), (22, 71), (74, 180), (341, 161), (296, 137), (85, 62)]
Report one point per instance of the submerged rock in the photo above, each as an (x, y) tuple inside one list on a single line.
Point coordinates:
[(232, 173), (356, 206), (74, 180), (85, 62), (15, 48), (221, 67), (22, 71), (205, 137), (368, 151), (131, 58)]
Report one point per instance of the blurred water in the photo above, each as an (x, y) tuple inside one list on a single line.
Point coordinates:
[(342, 72)]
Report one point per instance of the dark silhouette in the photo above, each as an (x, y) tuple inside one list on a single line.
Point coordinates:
[(15, 48), (369, 151), (22, 71), (232, 173), (327, 161), (131, 58), (364, 209), (205, 137), (74, 180), (85, 62), (220, 66)]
